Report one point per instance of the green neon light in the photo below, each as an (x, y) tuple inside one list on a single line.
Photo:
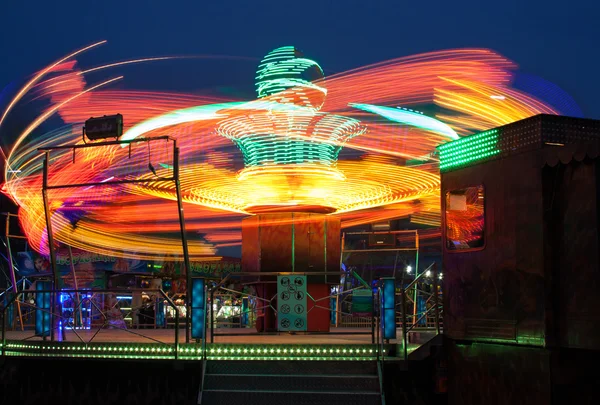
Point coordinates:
[(299, 136), (193, 351), (285, 68), (192, 114), (409, 117), (468, 150)]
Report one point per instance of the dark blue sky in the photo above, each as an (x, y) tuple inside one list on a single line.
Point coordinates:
[(557, 41)]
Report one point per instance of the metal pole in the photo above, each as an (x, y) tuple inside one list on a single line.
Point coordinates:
[(435, 299), (373, 316), (378, 319), (4, 326), (212, 315), (77, 311), (341, 286), (50, 240), (204, 331), (337, 308), (416, 294), (404, 339), (176, 332), (13, 277), (294, 245), (325, 254), (186, 255)]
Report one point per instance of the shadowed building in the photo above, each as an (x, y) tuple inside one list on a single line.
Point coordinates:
[(522, 280)]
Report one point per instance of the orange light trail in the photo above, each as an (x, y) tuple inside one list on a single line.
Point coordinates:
[(338, 146), (38, 76)]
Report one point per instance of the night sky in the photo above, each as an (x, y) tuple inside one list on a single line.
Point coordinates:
[(554, 40)]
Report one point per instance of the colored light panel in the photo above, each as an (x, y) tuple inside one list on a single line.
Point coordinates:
[(388, 307), (198, 308), (469, 150), (43, 308)]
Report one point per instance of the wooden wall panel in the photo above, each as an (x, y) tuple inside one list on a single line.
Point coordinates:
[(572, 254), (498, 292), (251, 247), (275, 242)]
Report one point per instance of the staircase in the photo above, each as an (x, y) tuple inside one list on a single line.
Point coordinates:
[(294, 382)]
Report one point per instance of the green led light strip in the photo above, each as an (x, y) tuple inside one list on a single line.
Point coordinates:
[(192, 351), (290, 351), (465, 151)]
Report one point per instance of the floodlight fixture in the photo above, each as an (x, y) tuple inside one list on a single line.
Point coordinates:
[(107, 126)]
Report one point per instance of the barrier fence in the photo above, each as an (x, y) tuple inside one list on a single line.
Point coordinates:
[(85, 316), (231, 306)]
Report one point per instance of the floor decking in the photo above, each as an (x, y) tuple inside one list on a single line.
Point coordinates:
[(337, 336)]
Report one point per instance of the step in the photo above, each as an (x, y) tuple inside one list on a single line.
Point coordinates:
[(226, 397), (294, 382), (295, 367)]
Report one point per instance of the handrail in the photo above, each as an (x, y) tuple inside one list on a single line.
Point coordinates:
[(11, 287), (381, 385), (412, 325), (203, 348), (435, 300), (212, 311), (170, 301), (204, 331), (410, 285), (223, 280), (202, 382), (359, 278), (380, 350), (14, 297), (435, 308), (404, 331)]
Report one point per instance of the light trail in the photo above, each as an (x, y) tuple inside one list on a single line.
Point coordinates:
[(340, 146)]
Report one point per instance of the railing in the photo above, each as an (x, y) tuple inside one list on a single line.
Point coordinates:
[(99, 311), (261, 304), (418, 317), (10, 288), (96, 310), (23, 283)]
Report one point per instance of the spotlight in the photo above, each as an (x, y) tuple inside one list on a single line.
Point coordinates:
[(108, 126), (408, 269), (428, 273)]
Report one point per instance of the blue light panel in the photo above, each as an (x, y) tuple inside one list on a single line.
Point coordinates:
[(388, 307), (198, 308)]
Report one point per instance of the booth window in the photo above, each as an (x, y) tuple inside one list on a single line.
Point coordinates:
[(465, 219)]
